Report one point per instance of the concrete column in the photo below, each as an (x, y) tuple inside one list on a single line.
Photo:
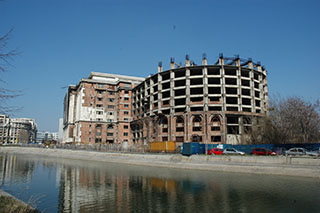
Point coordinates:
[(170, 119), (189, 127), (205, 118), (265, 91), (187, 61), (145, 99), (239, 84), (187, 90), (253, 103), (170, 126), (223, 128), (171, 63), (204, 59), (221, 61), (159, 92), (151, 97), (171, 92), (160, 67), (205, 88), (241, 128), (223, 92)]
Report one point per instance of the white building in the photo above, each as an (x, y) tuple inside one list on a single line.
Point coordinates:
[(17, 130), (47, 136), (60, 139)]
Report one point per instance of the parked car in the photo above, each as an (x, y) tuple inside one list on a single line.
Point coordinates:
[(215, 151), (232, 151), (296, 151), (302, 151), (315, 153), (262, 151)]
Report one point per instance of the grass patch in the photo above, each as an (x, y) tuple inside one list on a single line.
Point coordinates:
[(11, 205)]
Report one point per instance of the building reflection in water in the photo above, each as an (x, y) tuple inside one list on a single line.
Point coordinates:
[(83, 189), (90, 186), (12, 167)]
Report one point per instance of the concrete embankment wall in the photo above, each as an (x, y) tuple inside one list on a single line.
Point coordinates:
[(274, 165)]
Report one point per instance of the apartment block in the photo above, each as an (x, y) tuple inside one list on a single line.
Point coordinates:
[(98, 109), (17, 130)]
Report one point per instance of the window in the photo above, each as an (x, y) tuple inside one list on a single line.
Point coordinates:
[(100, 85), (215, 128), (110, 126), (196, 128), (110, 113), (126, 127), (126, 99), (126, 112), (126, 92), (99, 105), (100, 99), (179, 129), (99, 112), (126, 105), (109, 134), (126, 119), (125, 134), (110, 106), (111, 93), (111, 99)]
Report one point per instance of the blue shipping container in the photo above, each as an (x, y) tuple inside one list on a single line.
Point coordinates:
[(190, 148)]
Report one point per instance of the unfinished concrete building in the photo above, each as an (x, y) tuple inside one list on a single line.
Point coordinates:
[(17, 130), (217, 103), (98, 109)]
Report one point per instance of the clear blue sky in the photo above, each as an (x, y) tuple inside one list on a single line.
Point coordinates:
[(62, 41)]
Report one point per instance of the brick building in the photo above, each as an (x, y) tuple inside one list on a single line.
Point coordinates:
[(98, 109)]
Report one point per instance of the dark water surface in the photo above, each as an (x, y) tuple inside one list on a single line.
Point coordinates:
[(63, 185)]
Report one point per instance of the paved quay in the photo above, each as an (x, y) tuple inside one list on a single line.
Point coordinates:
[(271, 165)]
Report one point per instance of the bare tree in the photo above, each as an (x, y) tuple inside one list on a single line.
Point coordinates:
[(294, 120), (5, 57)]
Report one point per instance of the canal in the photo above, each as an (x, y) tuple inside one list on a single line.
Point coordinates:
[(64, 185)]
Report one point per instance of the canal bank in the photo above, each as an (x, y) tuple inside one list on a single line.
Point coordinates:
[(271, 165), (9, 203)]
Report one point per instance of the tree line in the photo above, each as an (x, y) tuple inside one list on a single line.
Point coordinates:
[(290, 120)]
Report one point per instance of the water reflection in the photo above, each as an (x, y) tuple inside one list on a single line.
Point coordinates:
[(80, 186)]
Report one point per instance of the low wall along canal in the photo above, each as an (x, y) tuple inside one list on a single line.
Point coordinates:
[(271, 165)]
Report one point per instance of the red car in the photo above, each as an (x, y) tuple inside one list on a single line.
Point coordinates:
[(262, 151), (215, 151)]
